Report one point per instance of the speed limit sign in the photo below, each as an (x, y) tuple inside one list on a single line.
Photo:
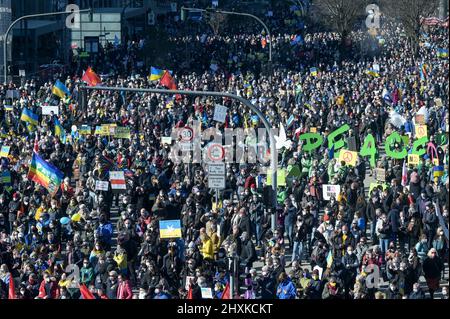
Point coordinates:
[(186, 134), (216, 152)]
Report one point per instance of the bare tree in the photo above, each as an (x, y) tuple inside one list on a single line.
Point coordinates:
[(341, 15), (409, 14)]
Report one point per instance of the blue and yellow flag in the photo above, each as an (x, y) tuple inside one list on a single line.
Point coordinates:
[(170, 229), (29, 117), (373, 73), (156, 74), (442, 53), (313, 71), (60, 90), (59, 131)]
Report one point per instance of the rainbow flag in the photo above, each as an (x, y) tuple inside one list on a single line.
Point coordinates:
[(45, 174), (424, 71), (60, 131), (29, 117), (60, 90), (155, 74)]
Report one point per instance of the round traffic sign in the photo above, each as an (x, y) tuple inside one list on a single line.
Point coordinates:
[(216, 152), (186, 134)]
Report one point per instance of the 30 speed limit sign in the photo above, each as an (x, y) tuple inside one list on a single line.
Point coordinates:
[(186, 134)]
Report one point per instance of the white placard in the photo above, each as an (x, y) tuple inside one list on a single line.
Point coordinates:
[(101, 186), (47, 109), (166, 140), (207, 293), (330, 190), (216, 169), (216, 182), (220, 113), (117, 180), (376, 67)]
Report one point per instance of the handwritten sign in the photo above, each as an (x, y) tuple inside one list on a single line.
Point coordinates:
[(101, 186), (330, 191), (413, 159)]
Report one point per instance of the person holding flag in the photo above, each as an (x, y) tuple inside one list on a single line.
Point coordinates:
[(60, 90)]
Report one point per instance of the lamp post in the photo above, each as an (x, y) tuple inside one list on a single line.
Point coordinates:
[(238, 14), (5, 37)]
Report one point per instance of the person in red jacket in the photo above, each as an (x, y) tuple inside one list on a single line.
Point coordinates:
[(49, 288), (124, 290)]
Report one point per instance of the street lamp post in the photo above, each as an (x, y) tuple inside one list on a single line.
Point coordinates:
[(247, 103), (245, 15), (5, 37)]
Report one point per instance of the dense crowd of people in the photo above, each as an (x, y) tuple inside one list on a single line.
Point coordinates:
[(320, 249)]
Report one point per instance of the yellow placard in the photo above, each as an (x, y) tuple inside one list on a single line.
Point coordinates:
[(348, 157), (281, 177), (413, 159), (313, 129), (436, 161), (421, 131)]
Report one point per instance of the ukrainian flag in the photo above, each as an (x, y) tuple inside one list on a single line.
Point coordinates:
[(59, 89), (373, 73), (170, 229), (442, 53), (438, 171), (29, 117), (313, 71), (8, 108), (60, 132), (156, 74)]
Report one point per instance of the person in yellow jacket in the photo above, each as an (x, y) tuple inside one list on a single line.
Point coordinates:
[(207, 250)]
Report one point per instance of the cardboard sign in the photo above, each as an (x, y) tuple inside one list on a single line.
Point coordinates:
[(102, 130), (421, 131), (438, 102), (413, 159), (216, 182), (348, 157), (313, 129), (420, 119), (48, 109), (122, 132), (101, 186), (330, 191), (220, 113), (380, 174)]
